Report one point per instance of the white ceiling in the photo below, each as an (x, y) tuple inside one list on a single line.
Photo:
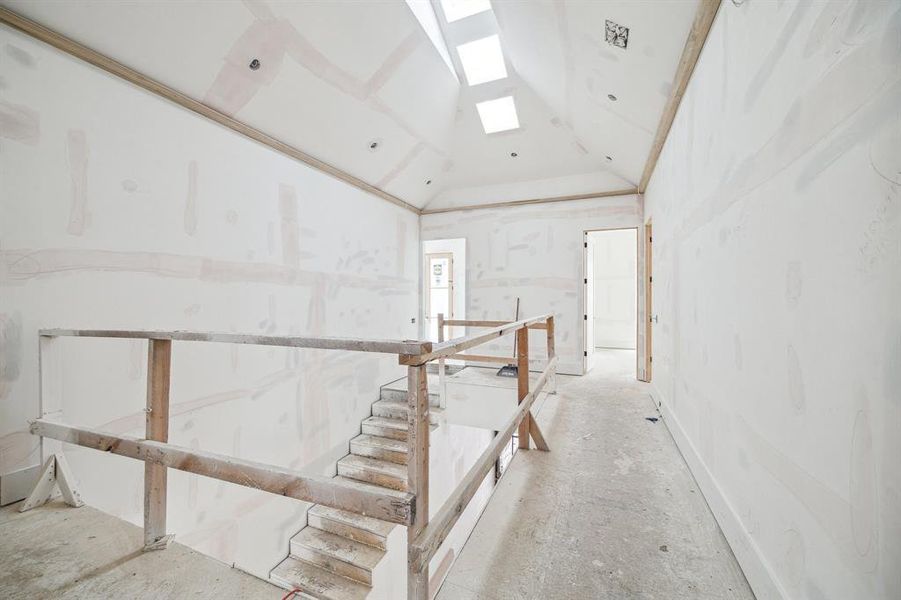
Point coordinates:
[(337, 75)]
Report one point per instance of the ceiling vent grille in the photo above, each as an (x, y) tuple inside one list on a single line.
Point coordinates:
[(616, 34)]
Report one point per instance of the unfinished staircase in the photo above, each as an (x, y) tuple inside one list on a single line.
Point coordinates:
[(334, 556)]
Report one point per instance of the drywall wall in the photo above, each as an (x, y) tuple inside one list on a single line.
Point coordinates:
[(119, 210), (777, 280), (615, 288), (533, 252)]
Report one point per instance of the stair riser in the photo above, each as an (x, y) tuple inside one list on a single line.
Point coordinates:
[(348, 531), (388, 432), (380, 453), (401, 396), (372, 476), (389, 412), (332, 564)]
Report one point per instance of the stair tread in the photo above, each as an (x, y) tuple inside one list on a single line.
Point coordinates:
[(339, 547), (372, 487), (371, 524), (394, 387), (378, 441), (374, 464), (402, 406), (399, 424), (293, 572)]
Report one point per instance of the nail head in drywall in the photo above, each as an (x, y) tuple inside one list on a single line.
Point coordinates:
[(611, 97), (616, 35), (374, 145), (514, 154), (254, 64), (609, 158), (428, 182)]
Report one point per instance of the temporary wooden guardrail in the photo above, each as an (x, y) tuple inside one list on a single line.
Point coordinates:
[(410, 509), (159, 456), (425, 537)]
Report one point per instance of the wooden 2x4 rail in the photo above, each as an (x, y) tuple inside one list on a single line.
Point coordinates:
[(410, 508)]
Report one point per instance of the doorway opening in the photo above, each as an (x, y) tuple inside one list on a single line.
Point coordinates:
[(610, 299), (444, 284)]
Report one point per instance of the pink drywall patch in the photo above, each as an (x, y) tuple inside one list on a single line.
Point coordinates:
[(287, 210), (191, 200), (10, 351), (19, 123), (77, 153)]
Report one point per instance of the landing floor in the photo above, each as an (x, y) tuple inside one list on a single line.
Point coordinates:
[(59, 552), (611, 512)]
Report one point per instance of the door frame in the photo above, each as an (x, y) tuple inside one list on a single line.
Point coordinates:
[(583, 297), (428, 287), (648, 301)]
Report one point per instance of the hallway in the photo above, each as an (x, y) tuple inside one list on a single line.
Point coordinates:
[(611, 512)]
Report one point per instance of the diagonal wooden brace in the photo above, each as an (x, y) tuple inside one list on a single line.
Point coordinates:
[(537, 436), (56, 474)]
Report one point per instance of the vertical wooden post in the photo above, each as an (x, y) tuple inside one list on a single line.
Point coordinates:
[(551, 353), (442, 370), (159, 359), (417, 474), (50, 391), (522, 369)]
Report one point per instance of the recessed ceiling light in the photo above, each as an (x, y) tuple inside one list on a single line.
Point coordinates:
[(482, 60), (611, 97), (498, 115), (454, 10)]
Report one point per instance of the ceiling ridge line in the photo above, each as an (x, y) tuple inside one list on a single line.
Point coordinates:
[(159, 89), (691, 52), (548, 200)]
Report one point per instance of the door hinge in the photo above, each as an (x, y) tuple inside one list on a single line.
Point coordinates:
[(651, 279), (585, 317), (586, 244), (650, 359), (585, 353), (586, 281), (650, 239)]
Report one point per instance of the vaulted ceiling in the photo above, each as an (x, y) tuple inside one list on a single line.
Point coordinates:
[(360, 86)]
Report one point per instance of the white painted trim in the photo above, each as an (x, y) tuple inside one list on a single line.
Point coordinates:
[(759, 573), (16, 485)]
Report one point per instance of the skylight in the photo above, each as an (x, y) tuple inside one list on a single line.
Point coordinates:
[(498, 115), (425, 14), (454, 10), (482, 60)]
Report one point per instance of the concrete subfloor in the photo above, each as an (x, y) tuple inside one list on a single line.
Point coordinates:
[(60, 552), (612, 511)]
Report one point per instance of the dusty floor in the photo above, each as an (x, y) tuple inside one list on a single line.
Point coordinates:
[(611, 512), (61, 552)]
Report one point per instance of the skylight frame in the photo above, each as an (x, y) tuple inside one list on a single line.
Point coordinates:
[(498, 115), (482, 60), (455, 10)]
